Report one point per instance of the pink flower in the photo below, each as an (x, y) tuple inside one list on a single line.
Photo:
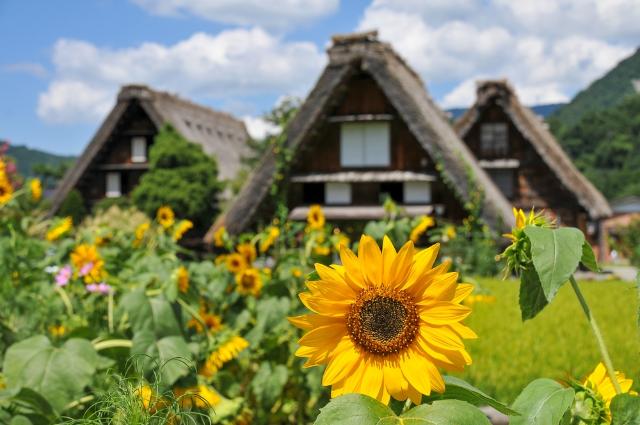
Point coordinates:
[(101, 288), (63, 276), (86, 269)]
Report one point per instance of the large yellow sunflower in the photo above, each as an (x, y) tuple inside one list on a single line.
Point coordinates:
[(384, 322)]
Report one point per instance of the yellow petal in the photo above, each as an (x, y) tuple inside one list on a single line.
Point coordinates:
[(324, 336), (353, 272), (462, 291), (443, 287), (341, 362), (388, 256), (370, 258), (402, 266), (444, 312), (323, 306), (413, 368), (372, 378)]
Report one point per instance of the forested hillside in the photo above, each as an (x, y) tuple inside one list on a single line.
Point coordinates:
[(26, 158)]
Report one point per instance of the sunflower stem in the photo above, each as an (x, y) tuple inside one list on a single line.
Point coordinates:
[(112, 343), (596, 331)]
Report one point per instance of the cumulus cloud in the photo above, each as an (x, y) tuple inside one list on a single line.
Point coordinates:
[(270, 14), (259, 128), (229, 65), (549, 49)]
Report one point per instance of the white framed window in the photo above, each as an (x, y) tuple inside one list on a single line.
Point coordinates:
[(114, 185), (494, 140), (505, 180), (365, 144), (337, 193), (417, 192), (138, 149)]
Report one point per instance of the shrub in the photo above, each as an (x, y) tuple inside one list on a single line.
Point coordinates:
[(122, 202), (181, 176), (73, 205)]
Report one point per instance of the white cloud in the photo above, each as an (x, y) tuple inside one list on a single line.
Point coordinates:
[(548, 49), (259, 128), (32, 68), (229, 65), (271, 14)]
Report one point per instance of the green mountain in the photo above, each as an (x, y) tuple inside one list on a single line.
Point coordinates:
[(602, 94), (29, 160)]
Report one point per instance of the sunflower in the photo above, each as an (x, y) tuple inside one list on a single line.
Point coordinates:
[(182, 228), (272, 235), (249, 282), (600, 382), (315, 217), (322, 250), (248, 251), (165, 216), (235, 262), (219, 236), (140, 232), (57, 330), (182, 276), (385, 321), (36, 189), (200, 396), (59, 229), (225, 353), (88, 263), (212, 321), (6, 190), (422, 226)]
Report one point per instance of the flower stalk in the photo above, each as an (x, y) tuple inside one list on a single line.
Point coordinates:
[(112, 343), (606, 358)]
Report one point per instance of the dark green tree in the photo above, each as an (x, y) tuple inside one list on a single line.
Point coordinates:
[(73, 206), (181, 176)]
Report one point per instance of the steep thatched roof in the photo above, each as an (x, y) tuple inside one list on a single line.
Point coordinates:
[(364, 52), (536, 132), (219, 134)]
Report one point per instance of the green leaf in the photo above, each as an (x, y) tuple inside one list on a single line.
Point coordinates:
[(542, 402), (532, 299), (268, 383), (354, 409), (625, 410), (556, 254), (458, 389), (443, 412), (58, 374), (150, 314), (170, 355), (588, 258)]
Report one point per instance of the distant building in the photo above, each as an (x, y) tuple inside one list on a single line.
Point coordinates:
[(117, 156), (626, 210), (367, 130), (516, 149)]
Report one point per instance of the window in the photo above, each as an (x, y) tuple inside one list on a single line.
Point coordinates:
[(505, 180), (313, 193), (114, 188), (394, 190), (337, 193), (417, 192), (494, 139), (138, 149), (365, 144)]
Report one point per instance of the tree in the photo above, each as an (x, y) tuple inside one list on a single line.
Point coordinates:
[(181, 176)]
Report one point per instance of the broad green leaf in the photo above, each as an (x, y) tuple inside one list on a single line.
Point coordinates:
[(150, 314), (443, 412), (169, 355), (20, 420), (625, 410), (268, 383), (555, 254), (354, 409), (532, 299), (542, 402), (270, 313), (458, 389), (588, 257), (59, 374)]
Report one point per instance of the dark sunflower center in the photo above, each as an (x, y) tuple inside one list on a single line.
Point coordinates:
[(247, 281), (383, 321)]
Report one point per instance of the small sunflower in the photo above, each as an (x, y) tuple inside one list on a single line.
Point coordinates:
[(517, 255), (6, 190), (235, 262), (422, 226), (385, 321), (213, 322), (219, 236), (225, 353), (272, 235), (36, 189), (59, 229), (88, 263), (322, 250), (249, 282), (248, 251), (57, 330), (165, 216), (182, 276), (315, 217), (140, 232), (200, 396), (183, 227), (600, 382)]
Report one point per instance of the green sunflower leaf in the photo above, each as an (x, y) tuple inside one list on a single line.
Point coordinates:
[(625, 410), (556, 254), (355, 409), (542, 402), (588, 258), (442, 412), (532, 299), (458, 389)]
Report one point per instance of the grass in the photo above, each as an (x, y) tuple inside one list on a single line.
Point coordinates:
[(557, 344)]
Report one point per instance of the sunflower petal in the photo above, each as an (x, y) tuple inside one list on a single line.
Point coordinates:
[(370, 258), (443, 312), (388, 256), (462, 291)]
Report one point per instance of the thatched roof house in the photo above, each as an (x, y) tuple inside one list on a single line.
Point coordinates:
[(366, 82), (116, 157), (525, 160)]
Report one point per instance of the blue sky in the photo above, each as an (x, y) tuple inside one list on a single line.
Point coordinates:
[(63, 61)]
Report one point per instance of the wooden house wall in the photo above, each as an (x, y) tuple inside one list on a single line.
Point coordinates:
[(322, 153), (535, 184), (116, 154)]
